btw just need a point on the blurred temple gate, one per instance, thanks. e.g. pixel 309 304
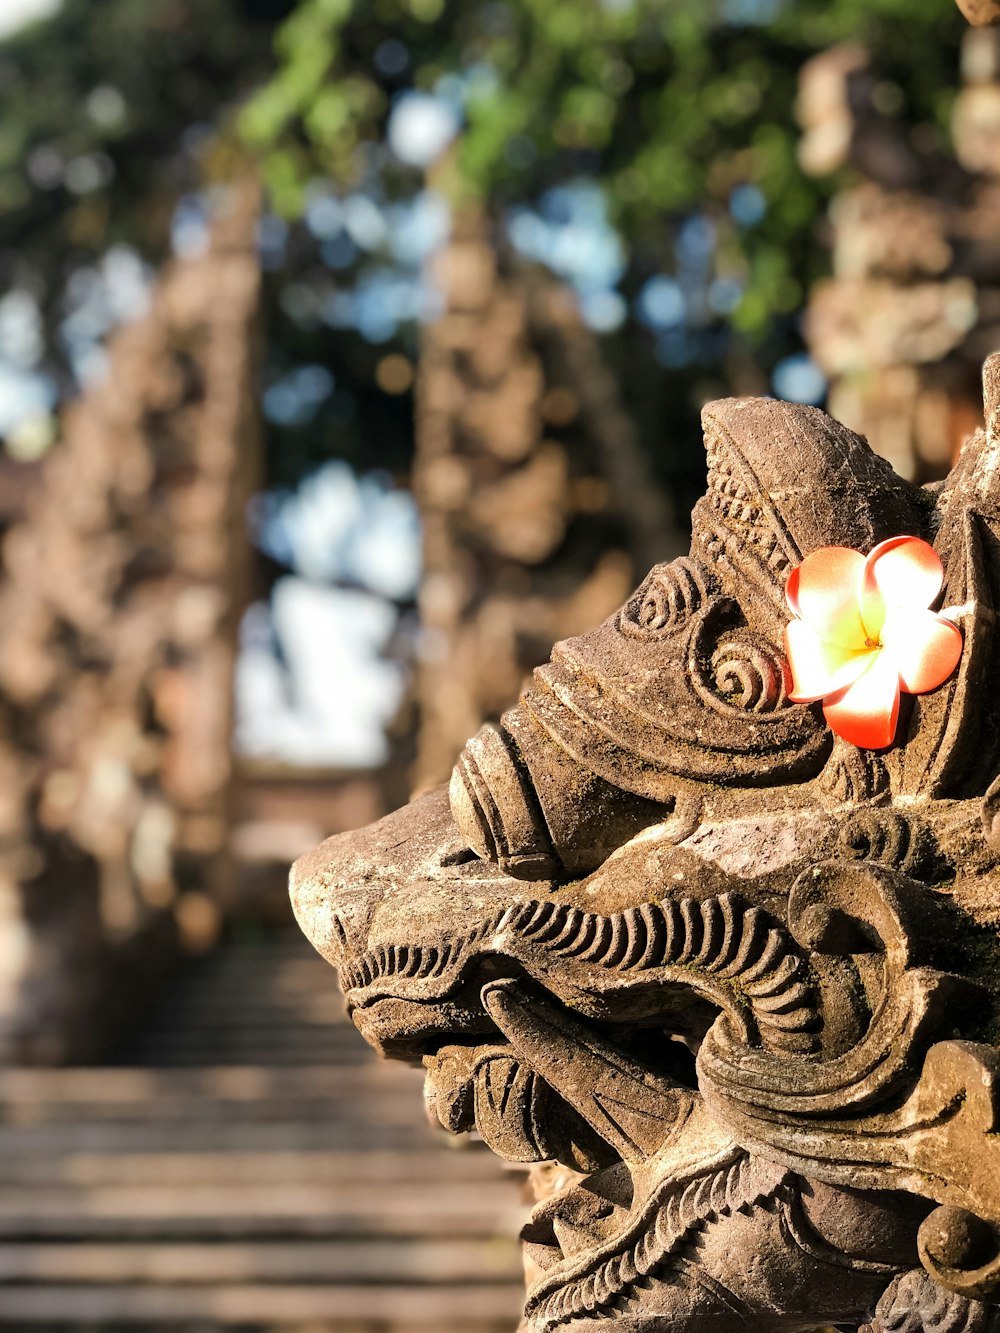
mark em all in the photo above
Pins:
pixel 223 1173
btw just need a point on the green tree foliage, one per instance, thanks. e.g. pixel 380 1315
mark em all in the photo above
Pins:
pixel 677 110
pixel 670 104
pixel 105 112
pixel 112 114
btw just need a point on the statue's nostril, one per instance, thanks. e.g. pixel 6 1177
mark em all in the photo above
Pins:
pixel 457 854
pixel 538 1230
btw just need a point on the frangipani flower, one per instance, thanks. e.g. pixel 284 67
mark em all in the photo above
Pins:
pixel 863 633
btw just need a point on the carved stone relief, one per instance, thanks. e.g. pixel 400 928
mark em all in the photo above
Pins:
pixel 730 978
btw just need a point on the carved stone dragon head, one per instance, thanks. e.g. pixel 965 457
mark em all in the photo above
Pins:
pixel 733 979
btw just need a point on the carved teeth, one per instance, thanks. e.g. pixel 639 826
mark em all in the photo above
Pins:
pixel 585 936
pixel 648 1254
pixel 656 936
pixel 716 937
pixel 791 998
pixel 559 928
pixel 775 981
pixel 619 943
pixel 634 925
pixel 793 1022
pixel 588 1294
pixel 770 957
pixel 428 962
pixel 540 917
pixel 603 935
pixel 691 918
pixel 751 939
pixel 713 932
pixel 412 966
pixel 627 1271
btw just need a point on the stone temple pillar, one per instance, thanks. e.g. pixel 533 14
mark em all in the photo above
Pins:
pixel 912 308
pixel 121 591
pixel 538 512
pixel 981 13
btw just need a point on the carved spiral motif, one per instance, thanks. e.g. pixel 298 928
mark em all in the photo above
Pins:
pixel 746 674
pixel 891 839
pixel 876 835
pixel 670 595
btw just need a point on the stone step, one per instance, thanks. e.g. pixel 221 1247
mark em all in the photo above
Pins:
pixel 381 1105
pixel 465 1162
pixel 436 1207
pixel 292 1130
pixel 257 1009
pixel 365 1094
pixel 260 1002
pixel 218 1048
pixel 245 1084
pixel 306 1325
pixel 177 1263
pixel 249 1165
pixel 462 1308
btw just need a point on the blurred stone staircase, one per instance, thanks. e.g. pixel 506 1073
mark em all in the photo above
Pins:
pixel 248 1165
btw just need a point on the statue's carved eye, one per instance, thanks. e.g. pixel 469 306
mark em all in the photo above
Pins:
pixel 749 674
pixel 733 669
pixel 668 597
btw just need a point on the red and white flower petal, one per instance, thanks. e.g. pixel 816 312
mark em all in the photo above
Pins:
pixel 866 713
pixel 825 591
pixel 903 571
pixel 924 648
pixel 820 667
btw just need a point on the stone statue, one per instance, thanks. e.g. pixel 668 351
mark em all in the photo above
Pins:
pixel 732 978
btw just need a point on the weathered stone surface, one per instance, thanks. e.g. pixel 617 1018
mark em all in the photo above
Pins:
pixel 735 981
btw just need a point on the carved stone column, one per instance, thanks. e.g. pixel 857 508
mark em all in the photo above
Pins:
pixel 537 510
pixel 913 306
pixel 121 593
pixel 713 952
